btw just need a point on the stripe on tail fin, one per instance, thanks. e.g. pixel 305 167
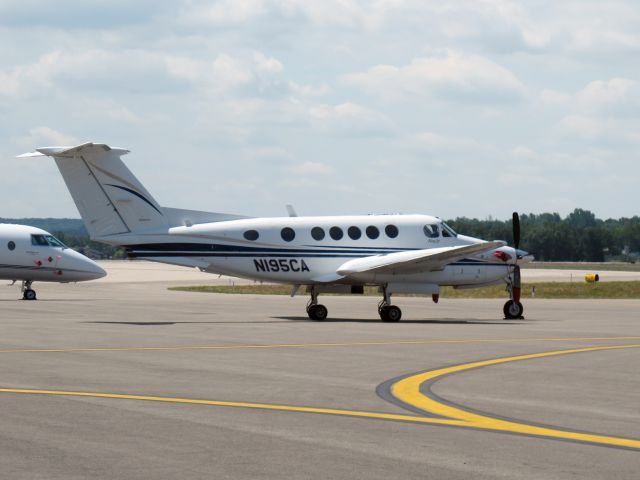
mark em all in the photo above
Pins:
pixel 109 197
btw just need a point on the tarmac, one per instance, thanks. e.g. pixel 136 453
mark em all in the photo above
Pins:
pixel 121 378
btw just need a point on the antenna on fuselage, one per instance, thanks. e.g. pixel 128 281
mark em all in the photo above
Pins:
pixel 291 211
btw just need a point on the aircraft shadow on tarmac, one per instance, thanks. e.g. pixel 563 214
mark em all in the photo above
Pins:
pixel 288 319
pixel 151 324
pixel 439 321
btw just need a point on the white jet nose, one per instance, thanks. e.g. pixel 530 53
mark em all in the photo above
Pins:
pixel 75 267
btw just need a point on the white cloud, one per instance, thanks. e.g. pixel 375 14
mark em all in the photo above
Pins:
pixel 47 136
pixel 452 75
pixel 614 96
pixel 396 93
pixel 311 168
pixel 350 119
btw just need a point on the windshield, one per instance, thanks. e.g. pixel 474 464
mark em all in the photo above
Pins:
pixel 46 241
pixel 54 242
pixel 447 231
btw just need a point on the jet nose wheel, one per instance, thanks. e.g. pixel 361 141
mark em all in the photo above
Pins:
pixel 317 312
pixel 513 310
pixel 390 313
pixel 29 294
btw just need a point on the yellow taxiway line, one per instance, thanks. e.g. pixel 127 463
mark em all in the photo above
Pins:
pixel 258 406
pixel 408 390
pixel 308 345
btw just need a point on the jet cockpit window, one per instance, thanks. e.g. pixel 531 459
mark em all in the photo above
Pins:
pixel 54 242
pixel 431 231
pixel 39 240
pixel 46 241
pixel 447 231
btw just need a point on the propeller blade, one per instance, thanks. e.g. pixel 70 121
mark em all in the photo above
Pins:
pixel 516 230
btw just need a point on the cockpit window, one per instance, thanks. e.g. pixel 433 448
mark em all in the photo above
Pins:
pixel 447 231
pixel 54 242
pixel 46 241
pixel 431 231
pixel 39 240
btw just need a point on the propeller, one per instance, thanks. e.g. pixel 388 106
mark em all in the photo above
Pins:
pixel 516 230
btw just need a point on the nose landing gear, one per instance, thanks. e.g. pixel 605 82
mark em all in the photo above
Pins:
pixel 513 309
pixel 27 292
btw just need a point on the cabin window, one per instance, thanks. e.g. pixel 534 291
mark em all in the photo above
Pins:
pixel 391 231
pixel 39 240
pixel 372 232
pixel 431 231
pixel 251 235
pixel 336 233
pixel 354 233
pixel 287 234
pixel 317 233
pixel 11 245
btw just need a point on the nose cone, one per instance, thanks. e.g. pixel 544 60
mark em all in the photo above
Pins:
pixel 78 268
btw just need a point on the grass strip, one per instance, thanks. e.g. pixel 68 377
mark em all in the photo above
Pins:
pixel 594 267
pixel 578 290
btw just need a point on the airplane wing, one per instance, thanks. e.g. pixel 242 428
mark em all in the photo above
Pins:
pixel 414 261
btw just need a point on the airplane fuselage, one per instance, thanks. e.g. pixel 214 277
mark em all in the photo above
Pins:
pixel 31 254
pixel 309 250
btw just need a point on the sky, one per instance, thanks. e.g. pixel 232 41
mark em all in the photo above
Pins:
pixel 469 108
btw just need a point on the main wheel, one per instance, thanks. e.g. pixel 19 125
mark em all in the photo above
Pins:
pixel 317 312
pixel 390 313
pixel 512 310
pixel 29 294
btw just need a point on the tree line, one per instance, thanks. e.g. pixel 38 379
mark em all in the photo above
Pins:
pixel 578 237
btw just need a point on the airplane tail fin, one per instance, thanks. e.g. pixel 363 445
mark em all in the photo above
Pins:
pixel 109 197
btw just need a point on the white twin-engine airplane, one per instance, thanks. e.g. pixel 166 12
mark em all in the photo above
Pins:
pixel 30 254
pixel 399 253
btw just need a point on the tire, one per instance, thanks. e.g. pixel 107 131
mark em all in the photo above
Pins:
pixel 317 312
pixel 390 313
pixel 513 310
pixel 29 295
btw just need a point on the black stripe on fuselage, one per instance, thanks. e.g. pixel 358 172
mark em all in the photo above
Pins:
pixel 221 248
pixel 173 250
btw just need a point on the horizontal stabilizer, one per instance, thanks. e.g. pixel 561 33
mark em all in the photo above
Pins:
pixel 89 148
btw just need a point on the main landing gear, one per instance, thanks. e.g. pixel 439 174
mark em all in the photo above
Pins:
pixel 314 309
pixel 388 312
pixel 27 292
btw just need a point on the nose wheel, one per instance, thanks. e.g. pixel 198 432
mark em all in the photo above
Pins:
pixel 513 310
pixel 27 292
